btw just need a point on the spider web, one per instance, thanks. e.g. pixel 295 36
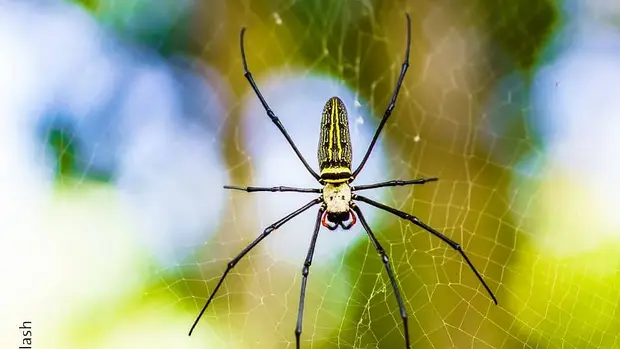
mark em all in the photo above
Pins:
pixel 478 109
pixel 456 119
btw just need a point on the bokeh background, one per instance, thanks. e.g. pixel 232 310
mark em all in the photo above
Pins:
pixel 120 120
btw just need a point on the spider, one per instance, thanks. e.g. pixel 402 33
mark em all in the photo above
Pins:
pixel 337 207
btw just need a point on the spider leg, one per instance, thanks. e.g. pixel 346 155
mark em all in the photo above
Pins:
pixel 270 112
pixel 393 183
pixel 253 244
pixel 392 104
pixel 273 189
pixel 305 271
pixel 415 220
pixel 388 269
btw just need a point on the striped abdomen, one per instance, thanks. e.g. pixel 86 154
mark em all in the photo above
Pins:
pixel 335 153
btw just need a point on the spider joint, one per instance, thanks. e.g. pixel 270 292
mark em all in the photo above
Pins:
pixel 272 116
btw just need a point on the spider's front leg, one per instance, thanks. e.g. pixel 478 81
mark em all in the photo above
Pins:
pixel 386 263
pixel 415 220
pixel 305 271
pixel 249 248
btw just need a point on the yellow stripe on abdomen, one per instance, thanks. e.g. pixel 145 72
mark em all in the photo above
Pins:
pixel 335 106
pixel 330 148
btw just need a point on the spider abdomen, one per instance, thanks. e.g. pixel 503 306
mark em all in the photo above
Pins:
pixel 335 150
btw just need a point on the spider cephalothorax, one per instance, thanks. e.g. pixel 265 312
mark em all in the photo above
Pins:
pixel 337 199
pixel 336 202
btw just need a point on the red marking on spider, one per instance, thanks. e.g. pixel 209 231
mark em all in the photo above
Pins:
pixel 351 220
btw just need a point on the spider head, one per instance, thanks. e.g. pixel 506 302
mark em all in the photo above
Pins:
pixel 337 198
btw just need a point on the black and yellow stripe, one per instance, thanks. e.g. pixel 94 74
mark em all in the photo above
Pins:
pixel 335 151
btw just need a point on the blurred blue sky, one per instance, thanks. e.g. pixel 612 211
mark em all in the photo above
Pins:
pixel 122 114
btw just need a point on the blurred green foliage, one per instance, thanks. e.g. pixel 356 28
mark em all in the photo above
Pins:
pixel 63 147
pixel 520 29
